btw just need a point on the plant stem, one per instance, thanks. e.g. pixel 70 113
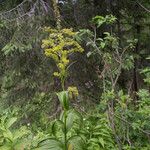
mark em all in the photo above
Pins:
pixel 65 130
pixel 63 84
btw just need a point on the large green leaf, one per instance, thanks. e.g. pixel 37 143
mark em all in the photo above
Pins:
pixel 64 99
pixel 58 124
pixel 8 135
pixel 18 134
pixel 50 144
pixel 10 122
pixel 72 117
pixel 77 143
pixel 69 121
pixel 102 142
pixel 5 147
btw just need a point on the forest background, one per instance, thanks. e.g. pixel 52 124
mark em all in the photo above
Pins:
pixel 87 61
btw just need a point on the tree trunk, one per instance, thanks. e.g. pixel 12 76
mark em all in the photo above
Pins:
pixel 136 67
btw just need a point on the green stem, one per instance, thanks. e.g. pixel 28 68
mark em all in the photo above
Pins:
pixel 63 83
pixel 65 130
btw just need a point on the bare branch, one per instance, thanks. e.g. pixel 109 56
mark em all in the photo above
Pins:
pixel 146 9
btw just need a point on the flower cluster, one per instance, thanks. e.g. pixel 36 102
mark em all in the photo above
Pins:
pixel 59 45
pixel 73 91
